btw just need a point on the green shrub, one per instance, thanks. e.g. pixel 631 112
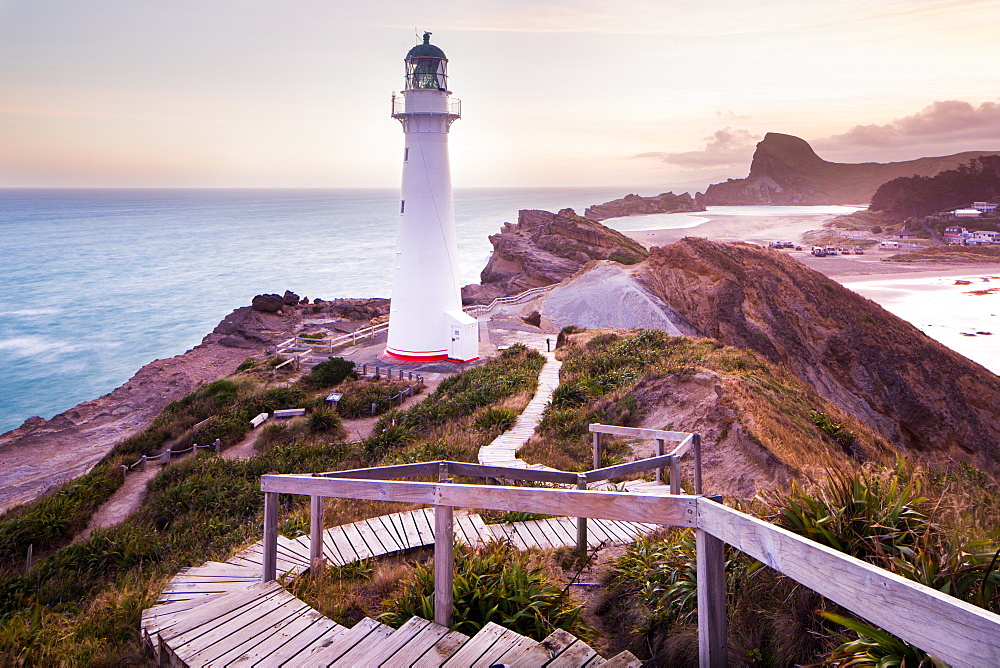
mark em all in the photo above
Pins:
pixel 494 583
pixel 491 418
pixel 247 364
pixel 360 395
pixel 569 394
pixel 325 421
pixel 330 373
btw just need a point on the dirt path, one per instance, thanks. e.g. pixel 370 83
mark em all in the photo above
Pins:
pixel 129 496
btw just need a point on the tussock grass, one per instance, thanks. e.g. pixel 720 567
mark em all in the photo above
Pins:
pixel 600 379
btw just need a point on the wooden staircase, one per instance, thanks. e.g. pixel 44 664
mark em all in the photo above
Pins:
pixel 220 614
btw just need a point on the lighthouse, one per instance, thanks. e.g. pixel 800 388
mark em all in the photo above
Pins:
pixel 426 321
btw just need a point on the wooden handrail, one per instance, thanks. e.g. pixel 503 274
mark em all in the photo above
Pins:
pixel 946 627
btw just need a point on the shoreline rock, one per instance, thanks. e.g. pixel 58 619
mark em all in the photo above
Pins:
pixel 636 205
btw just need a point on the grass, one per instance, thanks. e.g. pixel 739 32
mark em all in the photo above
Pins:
pixel 607 377
pixel 81 604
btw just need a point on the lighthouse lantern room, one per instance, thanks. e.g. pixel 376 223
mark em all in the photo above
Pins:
pixel 426 321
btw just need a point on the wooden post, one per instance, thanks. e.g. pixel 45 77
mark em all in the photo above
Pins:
pixel 696 442
pixel 675 475
pixel 142 463
pixel 444 557
pixel 712 623
pixel 124 469
pixel 597 450
pixel 166 456
pixel 581 522
pixel 659 453
pixel 269 571
pixel 217 445
pixel 315 534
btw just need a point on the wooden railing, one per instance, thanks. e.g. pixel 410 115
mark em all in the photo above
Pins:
pixel 685 443
pixel 480 309
pixel 950 629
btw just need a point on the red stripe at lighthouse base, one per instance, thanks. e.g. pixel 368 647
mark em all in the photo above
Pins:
pixel 414 357
pixel 411 357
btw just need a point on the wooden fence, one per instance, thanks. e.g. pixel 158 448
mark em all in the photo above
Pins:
pixel 948 628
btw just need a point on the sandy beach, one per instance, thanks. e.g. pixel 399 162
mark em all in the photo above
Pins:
pixel 931 296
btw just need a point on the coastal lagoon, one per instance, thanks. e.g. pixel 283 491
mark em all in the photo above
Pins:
pixel 959 308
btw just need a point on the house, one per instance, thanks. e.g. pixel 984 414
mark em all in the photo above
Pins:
pixel 907 234
pixel 983 237
pixel 984 207
pixel 956 235
pixel 966 213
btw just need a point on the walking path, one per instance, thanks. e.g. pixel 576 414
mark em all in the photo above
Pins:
pixel 220 614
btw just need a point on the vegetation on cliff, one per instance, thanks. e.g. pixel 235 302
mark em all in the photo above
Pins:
pixel 915 196
pixel 81 604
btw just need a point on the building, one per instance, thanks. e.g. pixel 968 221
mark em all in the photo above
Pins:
pixel 984 207
pixel 956 235
pixel 426 321
pixel 984 237
pixel 966 213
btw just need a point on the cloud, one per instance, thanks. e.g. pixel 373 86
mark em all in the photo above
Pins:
pixel 942 121
pixel 724 147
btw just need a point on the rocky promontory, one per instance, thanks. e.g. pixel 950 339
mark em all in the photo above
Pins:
pixel 543 248
pixel 43 454
pixel 636 205
pixel 786 170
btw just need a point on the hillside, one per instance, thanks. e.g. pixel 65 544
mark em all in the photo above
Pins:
pixel 921 396
pixel 786 170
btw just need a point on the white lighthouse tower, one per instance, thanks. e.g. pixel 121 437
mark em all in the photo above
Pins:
pixel 426 321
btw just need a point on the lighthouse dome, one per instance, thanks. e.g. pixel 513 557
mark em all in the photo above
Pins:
pixel 426 50
pixel 426 66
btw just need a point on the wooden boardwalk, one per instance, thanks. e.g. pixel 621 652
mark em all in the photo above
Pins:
pixel 503 450
pixel 220 614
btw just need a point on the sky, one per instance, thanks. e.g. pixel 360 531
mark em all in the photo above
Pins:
pixel 644 94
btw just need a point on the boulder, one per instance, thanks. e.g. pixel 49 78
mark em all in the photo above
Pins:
pixel 269 303
pixel 290 298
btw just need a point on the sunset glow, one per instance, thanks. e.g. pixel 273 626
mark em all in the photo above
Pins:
pixel 637 93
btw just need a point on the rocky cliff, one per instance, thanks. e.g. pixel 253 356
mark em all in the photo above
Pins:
pixel 636 205
pixel 42 454
pixel 924 398
pixel 544 248
pixel 786 170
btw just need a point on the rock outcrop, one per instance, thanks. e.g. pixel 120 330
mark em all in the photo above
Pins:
pixel 544 248
pixel 786 170
pixel 922 397
pixel 636 205
pixel 43 454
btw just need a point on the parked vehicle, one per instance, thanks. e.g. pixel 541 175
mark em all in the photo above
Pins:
pixel 830 250
pixel 859 250
pixel 819 251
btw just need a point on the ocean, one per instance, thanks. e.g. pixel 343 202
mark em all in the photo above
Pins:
pixel 100 282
